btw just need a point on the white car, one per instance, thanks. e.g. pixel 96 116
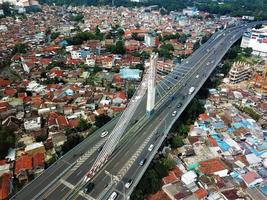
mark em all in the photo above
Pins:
pixel 197 76
pixel 113 196
pixel 174 113
pixel 150 148
pixel 129 183
pixel 104 134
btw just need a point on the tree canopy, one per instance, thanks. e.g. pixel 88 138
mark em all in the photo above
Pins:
pixel 7 140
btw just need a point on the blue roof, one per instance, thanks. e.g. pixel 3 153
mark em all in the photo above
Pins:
pixel 63 43
pixel 84 53
pixel 126 73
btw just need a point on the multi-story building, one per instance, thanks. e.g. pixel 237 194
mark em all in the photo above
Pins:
pixel 239 72
pixel 257 40
pixel 150 39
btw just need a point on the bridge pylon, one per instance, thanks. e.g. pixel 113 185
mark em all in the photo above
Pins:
pixel 151 89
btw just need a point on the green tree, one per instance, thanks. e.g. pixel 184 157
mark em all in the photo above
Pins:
pixel 120 49
pixel 54 35
pixel 168 162
pixel 140 66
pixel 20 48
pixel 111 48
pixel 6 8
pixel 196 45
pixel 182 39
pixel 177 141
pixel 258 26
pixel 72 141
pixel 7 140
pixel 247 51
pixel 120 32
pixel 101 120
pixel 83 125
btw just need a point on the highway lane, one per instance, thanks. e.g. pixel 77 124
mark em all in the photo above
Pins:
pixel 195 82
pixel 72 177
pixel 134 171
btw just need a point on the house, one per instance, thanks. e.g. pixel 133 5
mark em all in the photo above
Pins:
pixel 120 97
pixel 253 160
pixel 4 186
pixel 251 178
pixel 62 122
pixel 34 148
pixel 214 166
pixel 32 124
pixel 38 163
pixel 201 193
pixel 189 177
pixel 12 122
pixel 23 166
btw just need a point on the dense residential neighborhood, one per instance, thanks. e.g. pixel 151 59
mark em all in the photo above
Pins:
pixel 67 71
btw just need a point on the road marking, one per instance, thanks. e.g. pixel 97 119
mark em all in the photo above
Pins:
pixel 69 185
pixel 133 158
pixel 79 173
pixel 63 189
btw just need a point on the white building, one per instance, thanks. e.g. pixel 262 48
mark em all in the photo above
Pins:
pixel 150 40
pixel 32 124
pixel 75 54
pixel 189 177
pixel 239 72
pixel 190 11
pixel 257 40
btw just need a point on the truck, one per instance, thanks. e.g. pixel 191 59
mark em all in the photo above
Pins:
pixel 191 90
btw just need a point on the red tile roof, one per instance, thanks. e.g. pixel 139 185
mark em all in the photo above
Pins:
pixel 22 95
pixel 117 78
pixel 170 178
pixel 201 193
pixel 203 117
pixel 74 123
pixel 23 163
pixel 5 83
pixel 38 160
pixel 10 91
pixel 211 166
pixel 231 194
pixel 121 95
pixel 4 186
pixel 62 121
pixel 212 142
pixel 160 195
pixel 250 177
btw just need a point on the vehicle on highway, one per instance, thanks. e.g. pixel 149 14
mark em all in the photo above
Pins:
pixel 150 148
pixel 174 113
pixel 142 161
pixel 88 188
pixel 104 134
pixel 100 148
pixel 191 90
pixel 113 196
pixel 129 183
pixel 179 105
